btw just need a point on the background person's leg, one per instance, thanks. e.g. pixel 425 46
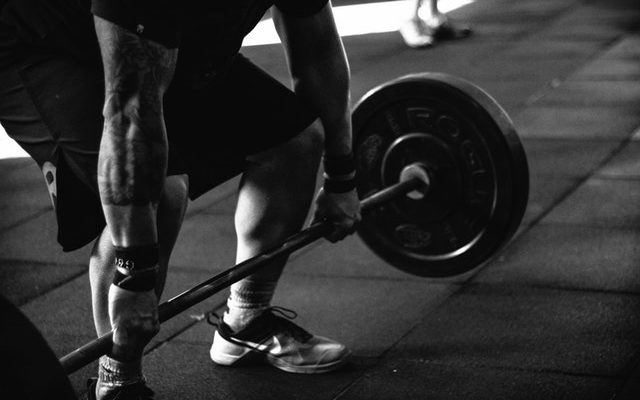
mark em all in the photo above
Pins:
pixel 440 25
pixel 414 32
pixel 432 7
pixel 428 24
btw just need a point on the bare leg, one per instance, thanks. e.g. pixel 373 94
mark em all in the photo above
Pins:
pixel 415 8
pixel 275 195
pixel 414 31
pixel 431 14
pixel 433 7
pixel 274 199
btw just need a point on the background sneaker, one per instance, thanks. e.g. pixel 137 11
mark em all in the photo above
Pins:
pixel 417 34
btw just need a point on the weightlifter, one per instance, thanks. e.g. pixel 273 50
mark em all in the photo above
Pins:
pixel 129 107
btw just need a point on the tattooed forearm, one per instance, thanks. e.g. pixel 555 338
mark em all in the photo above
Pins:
pixel 131 170
pixel 133 151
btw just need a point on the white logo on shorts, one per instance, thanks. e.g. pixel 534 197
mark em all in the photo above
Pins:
pixel 49 172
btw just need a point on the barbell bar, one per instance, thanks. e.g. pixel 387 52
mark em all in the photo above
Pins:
pixel 174 306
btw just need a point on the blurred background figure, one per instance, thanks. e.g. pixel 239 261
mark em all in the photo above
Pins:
pixel 428 25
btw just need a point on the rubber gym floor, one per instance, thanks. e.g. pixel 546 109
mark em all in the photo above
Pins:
pixel 554 315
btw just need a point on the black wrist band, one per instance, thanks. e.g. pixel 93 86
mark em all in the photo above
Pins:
pixel 339 186
pixel 339 165
pixel 136 267
pixel 136 258
pixel 142 281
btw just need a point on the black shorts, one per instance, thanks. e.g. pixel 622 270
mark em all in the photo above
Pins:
pixel 51 105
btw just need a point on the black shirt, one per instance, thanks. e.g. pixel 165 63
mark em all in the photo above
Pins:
pixel 208 32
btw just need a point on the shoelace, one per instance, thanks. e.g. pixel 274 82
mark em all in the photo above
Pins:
pixel 284 324
pixel 212 314
pixel 280 321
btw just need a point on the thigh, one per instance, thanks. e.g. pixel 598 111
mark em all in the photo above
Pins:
pixel 216 129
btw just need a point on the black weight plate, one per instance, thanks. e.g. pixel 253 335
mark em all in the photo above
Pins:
pixel 478 169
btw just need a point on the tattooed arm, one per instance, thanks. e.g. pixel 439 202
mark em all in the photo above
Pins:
pixel 131 171
pixel 133 151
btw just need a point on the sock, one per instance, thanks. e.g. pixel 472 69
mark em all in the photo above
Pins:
pixel 113 374
pixel 248 299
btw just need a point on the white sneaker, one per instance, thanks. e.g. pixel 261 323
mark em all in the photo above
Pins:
pixel 279 342
pixel 417 34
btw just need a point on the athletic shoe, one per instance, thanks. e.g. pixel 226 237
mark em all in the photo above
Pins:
pixel 278 341
pixel 417 34
pixel 136 391
pixel 448 30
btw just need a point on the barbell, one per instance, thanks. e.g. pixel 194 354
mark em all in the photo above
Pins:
pixel 444 180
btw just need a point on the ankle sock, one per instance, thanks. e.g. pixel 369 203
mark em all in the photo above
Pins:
pixel 114 374
pixel 248 299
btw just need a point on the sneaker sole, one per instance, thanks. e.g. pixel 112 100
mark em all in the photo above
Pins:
pixel 310 369
pixel 225 353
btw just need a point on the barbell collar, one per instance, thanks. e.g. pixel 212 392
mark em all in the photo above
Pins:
pixel 422 174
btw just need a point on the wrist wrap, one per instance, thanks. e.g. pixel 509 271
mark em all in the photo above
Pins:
pixel 136 267
pixel 339 173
